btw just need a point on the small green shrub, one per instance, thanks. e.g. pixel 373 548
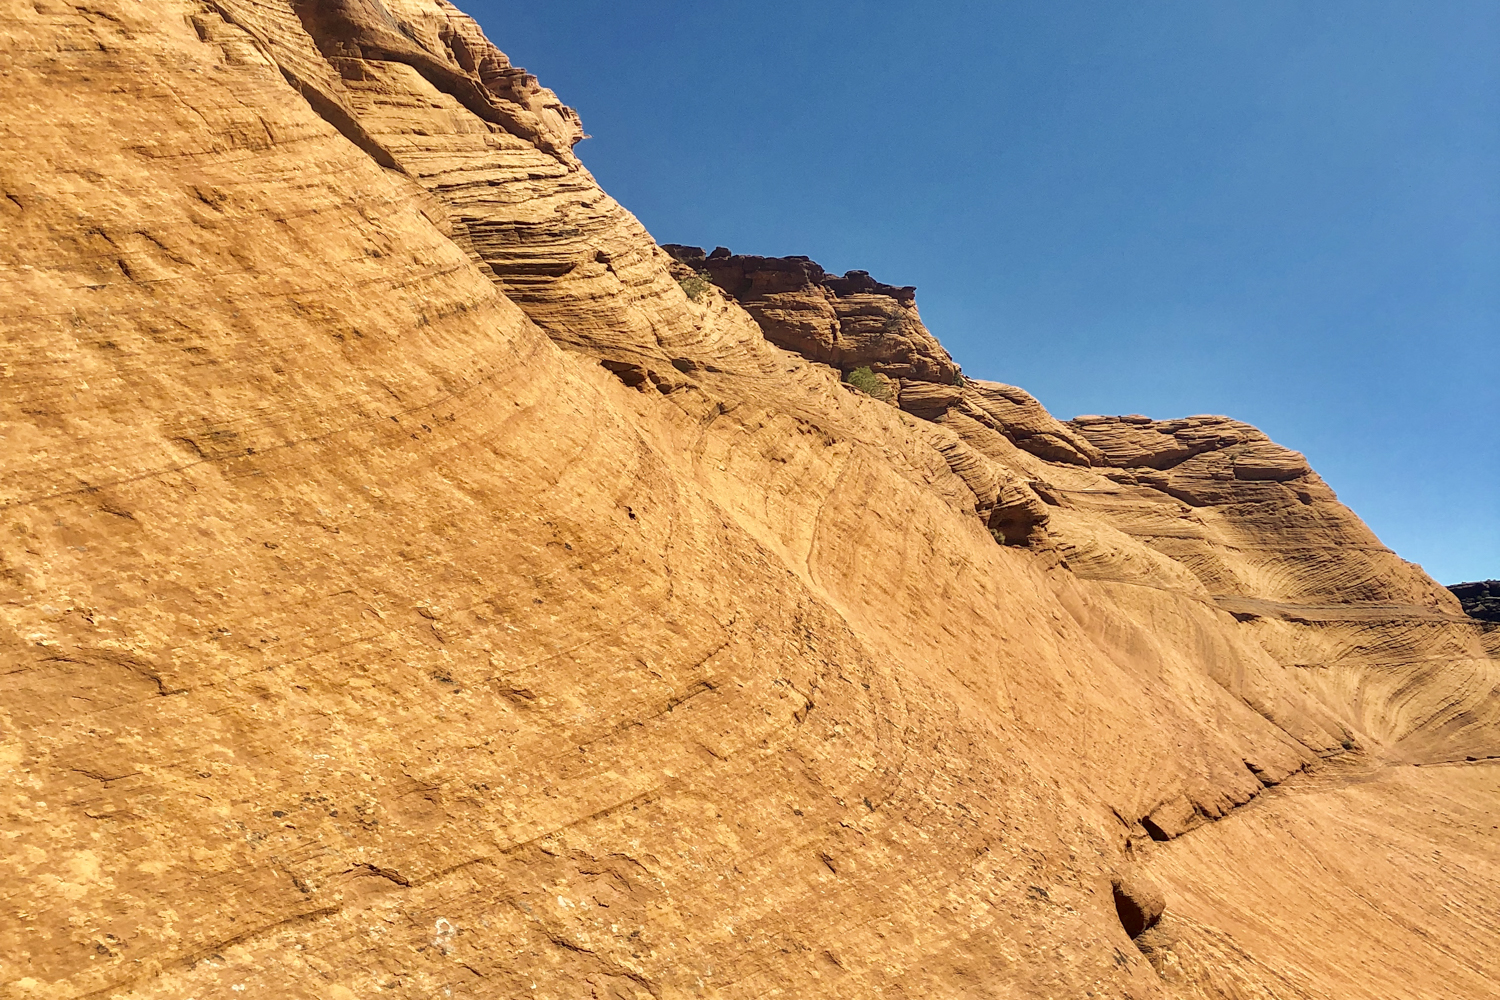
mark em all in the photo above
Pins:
pixel 869 383
pixel 696 287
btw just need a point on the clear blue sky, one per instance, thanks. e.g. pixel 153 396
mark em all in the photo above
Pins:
pixel 1288 212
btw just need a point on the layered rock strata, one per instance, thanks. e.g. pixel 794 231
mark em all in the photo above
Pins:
pixel 847 322
pixel 1480 600
pixel 408 588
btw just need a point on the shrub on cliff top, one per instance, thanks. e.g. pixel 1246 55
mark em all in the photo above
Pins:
pixel 869 383
pixel 696 287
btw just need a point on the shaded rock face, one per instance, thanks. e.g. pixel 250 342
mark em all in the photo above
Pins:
pixel 1480 600
pixel 407 587
pixel 1139 901
pixel 849 322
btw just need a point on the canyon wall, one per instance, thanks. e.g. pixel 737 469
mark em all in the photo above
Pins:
pixel 416 582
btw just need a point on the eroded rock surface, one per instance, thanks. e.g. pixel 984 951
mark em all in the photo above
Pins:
pixel 408 588
pixel 1139 901
pixel 846 322
pixel 1480 600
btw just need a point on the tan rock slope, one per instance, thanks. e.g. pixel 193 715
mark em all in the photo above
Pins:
pixel 408 588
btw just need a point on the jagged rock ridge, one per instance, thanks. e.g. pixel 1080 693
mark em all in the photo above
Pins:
pixel 407 588
pixel 1480 600
pixel 847 322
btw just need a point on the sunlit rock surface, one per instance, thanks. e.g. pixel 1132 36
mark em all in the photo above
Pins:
pixel 407 586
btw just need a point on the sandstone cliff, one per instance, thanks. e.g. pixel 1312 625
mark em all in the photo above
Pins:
pixel 415 582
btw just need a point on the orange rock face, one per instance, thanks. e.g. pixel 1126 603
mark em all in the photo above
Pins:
pixel 413 583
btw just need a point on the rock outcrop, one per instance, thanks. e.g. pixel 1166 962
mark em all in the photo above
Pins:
pixel 413 583
pixel 1480 600
pixel 847 323
pixel 1138 901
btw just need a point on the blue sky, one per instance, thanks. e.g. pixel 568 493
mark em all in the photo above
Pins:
pixel 1284 212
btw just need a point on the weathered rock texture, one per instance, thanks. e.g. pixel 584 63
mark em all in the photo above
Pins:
pixel 847 322
pixel 408 589
pixel 1480 600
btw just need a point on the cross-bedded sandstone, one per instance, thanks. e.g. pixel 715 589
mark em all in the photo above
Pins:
pixel 407 587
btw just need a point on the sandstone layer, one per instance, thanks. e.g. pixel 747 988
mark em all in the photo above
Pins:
pixel 416 582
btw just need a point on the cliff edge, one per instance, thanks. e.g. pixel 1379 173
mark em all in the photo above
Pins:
pixel 1480 600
